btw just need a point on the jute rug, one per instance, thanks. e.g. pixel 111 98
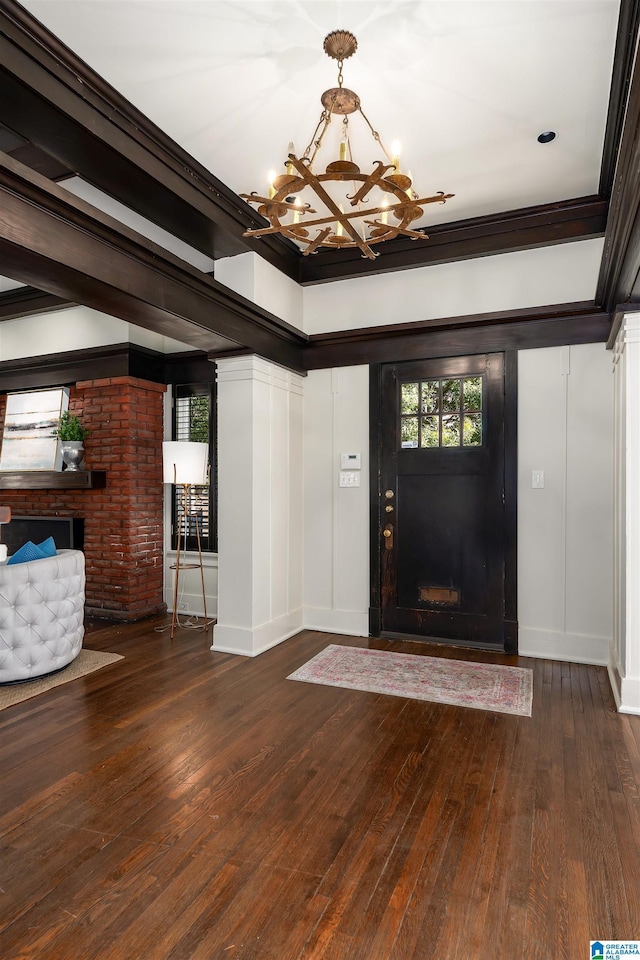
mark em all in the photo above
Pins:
pixel 484 686
pixel 86 662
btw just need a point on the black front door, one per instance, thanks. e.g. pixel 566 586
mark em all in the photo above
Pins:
pixel 440 516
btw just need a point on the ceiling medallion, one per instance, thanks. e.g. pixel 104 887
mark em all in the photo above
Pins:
pixel 312 209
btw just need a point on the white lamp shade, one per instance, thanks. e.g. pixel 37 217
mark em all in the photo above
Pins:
pixel 185 462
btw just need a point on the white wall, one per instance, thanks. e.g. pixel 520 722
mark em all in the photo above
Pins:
pixel 146 228
pixel 336 520
pixel 624 660
pixel 565 530
pixel 259 505
pixel 75 328
pixel 254 278
pixel 565 273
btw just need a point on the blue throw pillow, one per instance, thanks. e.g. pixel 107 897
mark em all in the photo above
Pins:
pixel 48 547
pixel 28 551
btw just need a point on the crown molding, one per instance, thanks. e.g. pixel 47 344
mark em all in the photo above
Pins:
pixel 622 75
pixel 507 232
pixel 619 278
pixel 549 326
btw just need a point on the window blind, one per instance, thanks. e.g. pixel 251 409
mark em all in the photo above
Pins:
pixel 194 419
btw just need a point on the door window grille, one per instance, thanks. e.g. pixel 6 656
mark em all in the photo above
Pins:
pixel 441 413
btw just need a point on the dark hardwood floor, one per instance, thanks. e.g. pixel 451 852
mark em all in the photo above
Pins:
pixel 188 805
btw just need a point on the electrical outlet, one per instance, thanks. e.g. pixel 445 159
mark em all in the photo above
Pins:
pixel 182 605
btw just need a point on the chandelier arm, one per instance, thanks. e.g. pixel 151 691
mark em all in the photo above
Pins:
pixel 439 197
pixel 394 208
pixel 394 231
pixel 313 245
pixel 372 180
pixel 330 203
pixel 281 207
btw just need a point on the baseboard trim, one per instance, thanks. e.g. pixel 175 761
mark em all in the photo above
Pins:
pixel 626 690
pixel 251 642
pixel 351 623
pixel 569 647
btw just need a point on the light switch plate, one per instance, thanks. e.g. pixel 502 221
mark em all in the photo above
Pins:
pixel 537 479
pixel 349 478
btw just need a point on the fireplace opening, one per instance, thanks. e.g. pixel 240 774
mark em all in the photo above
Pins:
pixel 67 532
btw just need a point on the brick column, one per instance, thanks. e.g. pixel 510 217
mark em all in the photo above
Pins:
pixel 124 522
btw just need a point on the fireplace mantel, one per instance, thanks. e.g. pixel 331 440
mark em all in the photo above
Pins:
pixel 53 479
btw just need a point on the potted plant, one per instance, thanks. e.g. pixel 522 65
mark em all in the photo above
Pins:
pixel 71 435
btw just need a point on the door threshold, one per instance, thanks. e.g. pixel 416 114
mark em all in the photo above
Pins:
pixel 441 641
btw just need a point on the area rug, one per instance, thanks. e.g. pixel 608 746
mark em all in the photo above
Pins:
pixel 86 662
pixel 483 686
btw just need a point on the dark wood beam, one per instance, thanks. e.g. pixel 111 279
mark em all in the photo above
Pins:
pixel 540 226
pixel 617 317
pixel 623 64
pixel 28 302
pixel 41 162
pixel 619 278
pixel 65 246
pixel 98 363
pixel 454 336
pixel 52 98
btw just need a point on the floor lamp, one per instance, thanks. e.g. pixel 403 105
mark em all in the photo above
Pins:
pixel 186 464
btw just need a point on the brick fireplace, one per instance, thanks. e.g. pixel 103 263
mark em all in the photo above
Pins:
pixel 123 523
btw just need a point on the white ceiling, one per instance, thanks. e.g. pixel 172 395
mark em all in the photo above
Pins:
pixel 466 85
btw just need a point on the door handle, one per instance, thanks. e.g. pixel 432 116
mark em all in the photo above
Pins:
pixel 387 533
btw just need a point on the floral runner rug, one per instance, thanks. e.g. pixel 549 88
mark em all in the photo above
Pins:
pixel 483 686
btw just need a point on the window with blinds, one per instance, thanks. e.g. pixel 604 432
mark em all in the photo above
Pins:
pixel 194 419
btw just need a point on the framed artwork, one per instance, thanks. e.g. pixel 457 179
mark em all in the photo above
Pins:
pixel 29 440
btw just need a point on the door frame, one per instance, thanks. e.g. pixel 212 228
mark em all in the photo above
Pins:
pixel 510 496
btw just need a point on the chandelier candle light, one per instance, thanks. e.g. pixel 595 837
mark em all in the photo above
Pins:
pixel 287 208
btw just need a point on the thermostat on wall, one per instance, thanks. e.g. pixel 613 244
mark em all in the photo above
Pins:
pixel 350 461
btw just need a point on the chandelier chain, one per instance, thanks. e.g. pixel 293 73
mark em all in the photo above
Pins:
pixel 325 118
pixel 375 134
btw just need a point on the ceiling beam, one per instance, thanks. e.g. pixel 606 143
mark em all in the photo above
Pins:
pixel 29 302
pixel 623 65
pixel 454 336
pixel 541 226
pixel 51 98
pixel 71 250
pixel 619 278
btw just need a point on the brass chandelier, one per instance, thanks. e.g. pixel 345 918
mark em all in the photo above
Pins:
pixel 394 203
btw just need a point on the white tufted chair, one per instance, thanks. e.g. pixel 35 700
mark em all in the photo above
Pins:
pixel 41 615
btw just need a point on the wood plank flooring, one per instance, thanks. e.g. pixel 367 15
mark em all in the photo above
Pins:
pixel 188 805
